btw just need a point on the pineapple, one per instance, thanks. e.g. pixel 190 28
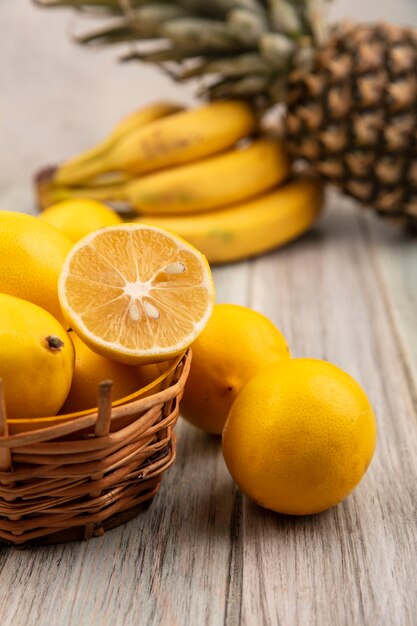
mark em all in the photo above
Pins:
pixel 350 91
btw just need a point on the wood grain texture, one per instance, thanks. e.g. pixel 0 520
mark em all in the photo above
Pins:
pixel 356 563
pixel 346 292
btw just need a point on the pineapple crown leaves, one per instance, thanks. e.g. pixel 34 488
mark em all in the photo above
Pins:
pixel 237 48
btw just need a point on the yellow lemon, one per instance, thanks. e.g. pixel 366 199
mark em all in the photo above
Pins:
pixel 150 372
pixel 299 437
pixel 32 254
pixel 36 359
pixel 78 217
pixel 91 369
pixel 136 294
pixel 236 343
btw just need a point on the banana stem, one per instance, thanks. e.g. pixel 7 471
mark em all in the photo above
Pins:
pixel 53 194
pixel 109 178
pixel 78 170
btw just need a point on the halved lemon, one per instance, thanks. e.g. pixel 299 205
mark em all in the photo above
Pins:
pixel 135 293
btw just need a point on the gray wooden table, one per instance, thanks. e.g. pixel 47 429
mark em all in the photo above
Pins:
pixel 346 292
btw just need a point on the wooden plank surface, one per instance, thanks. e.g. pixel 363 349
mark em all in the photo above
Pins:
pixel 346 292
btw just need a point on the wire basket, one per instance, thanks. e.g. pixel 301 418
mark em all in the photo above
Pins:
pixel 68 478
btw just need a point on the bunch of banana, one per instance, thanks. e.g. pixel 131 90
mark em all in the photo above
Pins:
pixel 203 173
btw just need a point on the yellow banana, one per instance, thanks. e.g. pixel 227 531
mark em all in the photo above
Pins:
pixel 243 231
pixel 176 139
pixel 139 118
pixel 211 183
pixel 131 123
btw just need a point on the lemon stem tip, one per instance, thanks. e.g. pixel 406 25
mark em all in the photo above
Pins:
pixel 54 343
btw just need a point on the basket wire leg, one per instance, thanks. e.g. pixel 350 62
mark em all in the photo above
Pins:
pixel 5 453
pixel 102 429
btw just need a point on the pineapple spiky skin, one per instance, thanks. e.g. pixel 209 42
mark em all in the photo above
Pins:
pixel 353 117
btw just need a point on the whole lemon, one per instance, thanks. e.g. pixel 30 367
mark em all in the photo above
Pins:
pixel 31 257
pixel 36 359
pixel 91 369
pixel 299 437
pixel 236 343
pixel 78 217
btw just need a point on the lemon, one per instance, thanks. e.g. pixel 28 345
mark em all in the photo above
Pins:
pixel 300 436
pixel 32 254
pixel 236 343
pixel 136 294
pixel 36 359
pixel 78 217
pixel 91 369
pixel 151 371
